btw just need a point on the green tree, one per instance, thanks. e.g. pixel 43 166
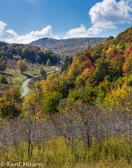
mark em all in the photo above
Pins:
pixel 2 66
pixel 22 65
pixel 42 72
pixel 51 102
pixel 102 70
pixel 3 79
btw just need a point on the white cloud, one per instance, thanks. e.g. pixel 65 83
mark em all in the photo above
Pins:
pixel 12 37
pixel 34 35
pixel 108 13
pixel 105 15
pixel 6 35
pixel 77 32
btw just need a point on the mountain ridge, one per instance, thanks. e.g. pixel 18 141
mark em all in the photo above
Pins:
pixel 67 46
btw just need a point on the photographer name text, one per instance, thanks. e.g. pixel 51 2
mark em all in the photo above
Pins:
pixel 20 164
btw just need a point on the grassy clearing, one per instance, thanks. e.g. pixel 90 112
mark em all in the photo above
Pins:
pixel 16 79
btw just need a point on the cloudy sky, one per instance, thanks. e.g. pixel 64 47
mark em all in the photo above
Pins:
pixel 23 21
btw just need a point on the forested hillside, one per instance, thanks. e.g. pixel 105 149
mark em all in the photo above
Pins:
pixel 111 58
pixel 30 53
pixel 80 118
pixel 67 46
pixel 95 72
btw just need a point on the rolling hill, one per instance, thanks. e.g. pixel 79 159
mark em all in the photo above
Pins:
pixel 67 46
pixel 30 53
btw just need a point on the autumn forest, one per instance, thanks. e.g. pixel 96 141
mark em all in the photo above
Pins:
pixel 78 114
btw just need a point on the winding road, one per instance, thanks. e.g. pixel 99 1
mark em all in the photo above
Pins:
pixel 25 85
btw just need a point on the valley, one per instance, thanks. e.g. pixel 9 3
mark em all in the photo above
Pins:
pixel 78 115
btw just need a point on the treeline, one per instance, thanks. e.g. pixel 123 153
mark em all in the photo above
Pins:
pixel 30 53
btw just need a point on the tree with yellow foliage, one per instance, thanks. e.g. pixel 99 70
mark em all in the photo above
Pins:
pixel 48 62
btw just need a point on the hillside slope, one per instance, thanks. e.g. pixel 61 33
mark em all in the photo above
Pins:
pixel 67 46
pixel 30 53
pixel 112 58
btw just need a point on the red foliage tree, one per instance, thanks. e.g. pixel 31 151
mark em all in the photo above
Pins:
pixel 87 63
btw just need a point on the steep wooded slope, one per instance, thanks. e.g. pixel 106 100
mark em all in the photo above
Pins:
pixel 112 58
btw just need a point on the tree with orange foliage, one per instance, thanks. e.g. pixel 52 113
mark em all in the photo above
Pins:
pixel 48 62
pixel 127 67
pixel 9 104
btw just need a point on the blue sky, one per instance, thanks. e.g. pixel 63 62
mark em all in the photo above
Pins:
pixel 23 21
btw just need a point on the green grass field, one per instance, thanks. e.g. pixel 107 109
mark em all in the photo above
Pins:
pixel 16 79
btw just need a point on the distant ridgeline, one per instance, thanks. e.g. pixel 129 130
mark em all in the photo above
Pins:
pixel 67 46
pixel 30 53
